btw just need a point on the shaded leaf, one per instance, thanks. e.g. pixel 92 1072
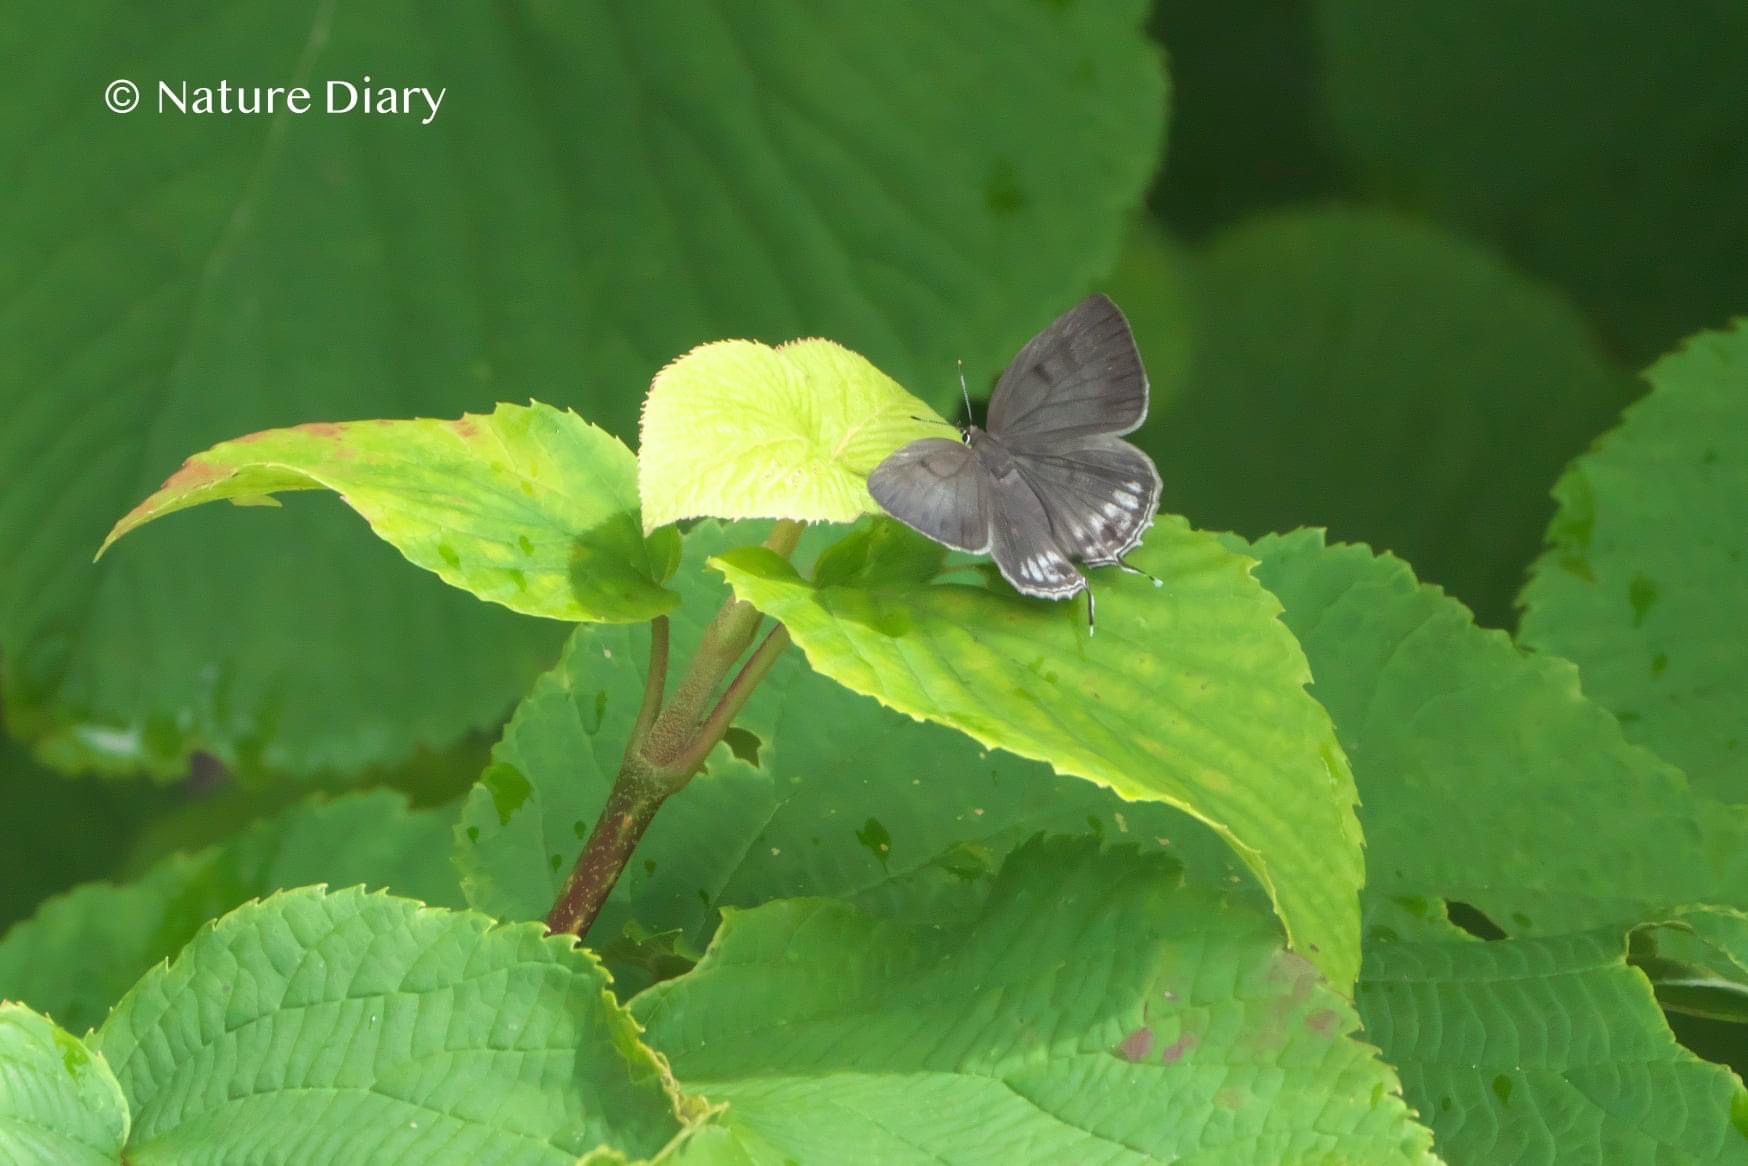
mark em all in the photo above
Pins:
pixel 1605 146
pixel 1642 583
pixel 603 188
pixel 1192 695
pixel 58 1100
pixel 358 1028
pixel 52 962
pixel 1385 380
pixel 1092 1006
pixel 1485 776
pixel 529 506
pixel 1545 1050
pixel 737 429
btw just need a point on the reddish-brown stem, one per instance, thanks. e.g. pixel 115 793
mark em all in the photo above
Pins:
pixel 630 807
pixel 667 744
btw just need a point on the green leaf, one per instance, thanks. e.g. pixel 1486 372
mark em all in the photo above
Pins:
pixel 1607 147
pixel 75 957
pixel 359 1028
pixel 1192 695
pixel 605 187
pixel 737 429
pixel 529 506
pixel 1642 583
pixel 1545 1050
pixel 1485 776
pixel 846 798
pixel 1336 379
pixel 64 831
pixel 1092 1004
pixel 58 1100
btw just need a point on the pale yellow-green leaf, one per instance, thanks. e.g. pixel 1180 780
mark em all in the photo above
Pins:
pixel 528 506
pixel 738 429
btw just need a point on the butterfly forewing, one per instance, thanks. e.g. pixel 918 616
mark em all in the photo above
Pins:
pixel 1099 495
pixel 1022 544
pixel 1079 377
pixel 936 487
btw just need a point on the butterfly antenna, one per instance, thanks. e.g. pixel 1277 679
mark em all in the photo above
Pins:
pixel 965 392
pixel 933 421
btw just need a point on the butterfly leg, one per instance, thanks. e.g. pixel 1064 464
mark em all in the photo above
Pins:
pixel 1134 570
pixel 1091 622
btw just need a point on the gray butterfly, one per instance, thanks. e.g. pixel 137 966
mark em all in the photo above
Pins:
pixel 1050 482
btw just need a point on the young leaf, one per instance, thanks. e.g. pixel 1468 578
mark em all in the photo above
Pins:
pixel 834 173
pixel 1484 774
pixel 1642 584
pixel 359 1028
pixel 1544 1051
pixel 529 506
pixel 1191 695
pixel 1096 1011
pixel 370 838
pixel 736 429
pixel 59 1102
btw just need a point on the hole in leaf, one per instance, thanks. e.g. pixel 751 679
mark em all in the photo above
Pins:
pixel 1471 919
pixel 743 744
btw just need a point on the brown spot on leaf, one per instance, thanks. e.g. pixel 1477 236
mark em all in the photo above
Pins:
pixel 1231 1097
pixel 466 426
pixel 1136 1045
pixel 320 428
pixel 192 475
pixel 1323 1021
pixel 1175 1051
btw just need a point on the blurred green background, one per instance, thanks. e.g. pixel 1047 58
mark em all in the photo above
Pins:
pixel 1391 266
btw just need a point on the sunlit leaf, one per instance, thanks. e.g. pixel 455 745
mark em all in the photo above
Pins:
pixel 1643 584
pixel 357 1028
pixel 1095 1011
pixel 1191 694
pixel 529 506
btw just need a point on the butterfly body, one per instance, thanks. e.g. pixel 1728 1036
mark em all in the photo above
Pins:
pixel 1050 482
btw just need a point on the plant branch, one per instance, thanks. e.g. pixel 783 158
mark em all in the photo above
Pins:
pixel 654 685
pixel 630 807
pixel 756 668
pixel 668 743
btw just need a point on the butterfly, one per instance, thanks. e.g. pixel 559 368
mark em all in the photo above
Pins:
pixel 1049 482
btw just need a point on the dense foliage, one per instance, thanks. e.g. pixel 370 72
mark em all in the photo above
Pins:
pixel 1317 852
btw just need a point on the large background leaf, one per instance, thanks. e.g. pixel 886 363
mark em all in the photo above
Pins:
pixel 604 188
pixel 1645 583
pixel 1093 1012
pixel 1391 382
pixel 1191 693
pixel 357 1028
pixel 1605 144
pixel 75 957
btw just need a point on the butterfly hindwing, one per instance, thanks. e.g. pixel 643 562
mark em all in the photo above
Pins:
pixel 937 487
pixel 1023 546
pixel 1080 376
pixel 1099 494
